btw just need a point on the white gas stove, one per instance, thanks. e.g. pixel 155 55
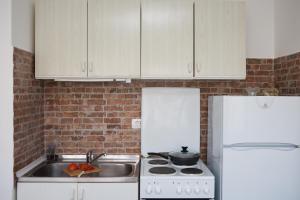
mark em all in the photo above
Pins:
pixel 159 178
pixel 170 120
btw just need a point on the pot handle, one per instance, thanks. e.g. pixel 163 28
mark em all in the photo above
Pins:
pixel 158 154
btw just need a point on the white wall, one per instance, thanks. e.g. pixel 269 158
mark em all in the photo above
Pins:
pixel 23 24
pixel 260 28
pixel 287 27
pixel 6 103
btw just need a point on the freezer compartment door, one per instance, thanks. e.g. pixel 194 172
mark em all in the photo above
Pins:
pixel 261 119
pixel 261 173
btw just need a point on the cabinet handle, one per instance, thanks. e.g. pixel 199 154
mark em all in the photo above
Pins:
pixel 198 68
pixel 190 68
pixel 82 195
pixel 83 66
pixel 91 67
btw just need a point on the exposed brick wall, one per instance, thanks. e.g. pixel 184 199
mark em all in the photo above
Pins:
pixel 287 74
pixel 28 111
pixel 84 116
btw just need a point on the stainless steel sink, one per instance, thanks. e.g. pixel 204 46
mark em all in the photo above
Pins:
pixel 114 168
pixel 50 170
pixel 107 170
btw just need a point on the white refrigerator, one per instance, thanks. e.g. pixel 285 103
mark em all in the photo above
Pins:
pixel 253 147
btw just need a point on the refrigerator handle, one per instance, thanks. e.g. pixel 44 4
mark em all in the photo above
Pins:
pixel 256 145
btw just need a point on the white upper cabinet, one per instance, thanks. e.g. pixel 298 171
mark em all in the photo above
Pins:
pixel 220 39
pixel 167 39
pixel 114 38
pixel 149 39
pixel 61 38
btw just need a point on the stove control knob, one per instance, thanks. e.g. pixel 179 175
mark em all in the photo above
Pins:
pixel 188 190
pixel 157 189
pixel 197 190
pixel 179 190
pixel 149 189
pixel 206 191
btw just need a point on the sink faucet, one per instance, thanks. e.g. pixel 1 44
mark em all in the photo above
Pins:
pixel 90 157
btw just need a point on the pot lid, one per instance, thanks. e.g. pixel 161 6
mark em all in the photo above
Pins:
pixel 184 153
pixel 170 119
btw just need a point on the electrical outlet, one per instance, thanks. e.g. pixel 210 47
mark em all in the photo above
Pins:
pixel 136 123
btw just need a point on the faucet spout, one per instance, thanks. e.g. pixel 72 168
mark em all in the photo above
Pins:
pixel 90 157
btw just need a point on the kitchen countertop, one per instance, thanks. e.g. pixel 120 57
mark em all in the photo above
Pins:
pixel 25 174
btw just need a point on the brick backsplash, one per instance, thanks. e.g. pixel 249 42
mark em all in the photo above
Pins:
pixel 28 111
pixel 79 116
pixel 84 116
pixel 287 74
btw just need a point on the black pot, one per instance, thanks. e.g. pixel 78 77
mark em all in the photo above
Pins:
pixel 184 157
pixel 180 158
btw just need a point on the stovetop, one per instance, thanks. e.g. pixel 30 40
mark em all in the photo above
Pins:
pixel 159 167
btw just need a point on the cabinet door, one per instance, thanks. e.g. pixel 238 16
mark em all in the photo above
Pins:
pixel 108 191
pixel 61 38
pixel 167 39
pixel 47 191
pixel 114 38
pixel 220 39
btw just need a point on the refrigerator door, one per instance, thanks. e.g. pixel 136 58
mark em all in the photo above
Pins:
pixel 261 173
pixel 261 119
